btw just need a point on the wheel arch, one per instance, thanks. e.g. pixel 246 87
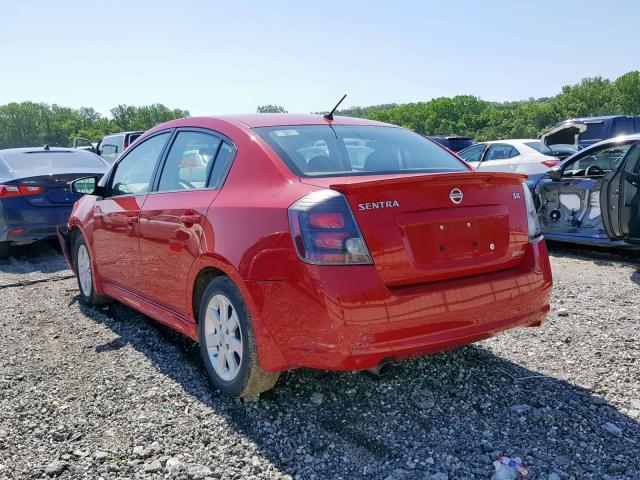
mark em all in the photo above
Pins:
pixel 204 270
pixel 75 230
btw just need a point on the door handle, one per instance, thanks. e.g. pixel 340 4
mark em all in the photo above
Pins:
pixel 130 220
pixel 189 220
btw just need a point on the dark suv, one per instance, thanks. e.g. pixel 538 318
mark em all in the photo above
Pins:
pixel 454 143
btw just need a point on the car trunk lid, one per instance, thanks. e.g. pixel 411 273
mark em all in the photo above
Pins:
pixel 50 190
pixel 423 228
pixel 565 134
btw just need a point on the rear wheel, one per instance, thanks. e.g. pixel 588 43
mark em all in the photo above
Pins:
pixel 4 250
pixel 84 274
pixel 227 342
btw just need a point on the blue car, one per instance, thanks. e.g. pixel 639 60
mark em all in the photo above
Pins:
pixel 34 191
pixel 593 197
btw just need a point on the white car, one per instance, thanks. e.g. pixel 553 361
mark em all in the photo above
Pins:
pixel 527 156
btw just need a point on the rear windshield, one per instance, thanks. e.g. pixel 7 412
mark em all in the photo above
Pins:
pixel 323 150
pixel 457 144
pixel 41 160
pixel 540 147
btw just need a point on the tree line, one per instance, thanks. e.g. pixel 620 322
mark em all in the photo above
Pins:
pixel 34 124
pixel 29 124
pixel 483 120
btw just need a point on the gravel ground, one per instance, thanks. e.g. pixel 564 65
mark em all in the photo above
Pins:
pixel 108 393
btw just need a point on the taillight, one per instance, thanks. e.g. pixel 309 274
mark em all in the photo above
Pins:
pixel 8 191
pixel 533 225
pixel 550 163
pixel 27 190
pixel 324 230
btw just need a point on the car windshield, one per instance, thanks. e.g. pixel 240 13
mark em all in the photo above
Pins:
pixel 324 150
pixel 75 159
pixel 540 147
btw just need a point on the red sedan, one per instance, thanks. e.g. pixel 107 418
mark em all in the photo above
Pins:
pixel 283 241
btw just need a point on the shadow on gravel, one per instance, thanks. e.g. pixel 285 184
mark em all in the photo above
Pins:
pixel 44 256
pixel 453 412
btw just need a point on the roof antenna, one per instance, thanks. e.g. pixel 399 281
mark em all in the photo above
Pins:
pixel 329 116
pixel 46 148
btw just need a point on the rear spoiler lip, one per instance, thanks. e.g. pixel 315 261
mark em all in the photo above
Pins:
pixel 434 178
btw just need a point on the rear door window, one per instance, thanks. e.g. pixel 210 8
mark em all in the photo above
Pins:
pixel 594 131
pixel 622 126
pixel 472 154
pixel 189 161
pixel 222 165
pixel 500 151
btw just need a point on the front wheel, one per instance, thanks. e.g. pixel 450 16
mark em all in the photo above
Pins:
pixel 84 274
pixel 227 342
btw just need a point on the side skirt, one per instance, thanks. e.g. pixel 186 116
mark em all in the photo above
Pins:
pixel 159 313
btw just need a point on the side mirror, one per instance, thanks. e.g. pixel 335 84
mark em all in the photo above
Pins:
pixel 85 185
pixel 554 174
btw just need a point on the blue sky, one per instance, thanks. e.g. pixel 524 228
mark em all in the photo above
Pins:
pixel 224 57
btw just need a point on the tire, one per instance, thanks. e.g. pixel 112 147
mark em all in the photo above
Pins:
pixel 84 274
pixel 4 250
pixel 228 347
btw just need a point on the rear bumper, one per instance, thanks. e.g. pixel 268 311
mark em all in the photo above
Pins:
pixel 345 318
pixel 22 223
pixel 64 237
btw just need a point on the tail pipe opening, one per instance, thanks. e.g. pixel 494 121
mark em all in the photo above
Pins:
pixel 381 370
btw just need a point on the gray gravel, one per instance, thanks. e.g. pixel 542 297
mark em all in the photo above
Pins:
pixel 89 393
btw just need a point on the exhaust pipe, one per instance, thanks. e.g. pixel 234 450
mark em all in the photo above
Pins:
pixel 381 370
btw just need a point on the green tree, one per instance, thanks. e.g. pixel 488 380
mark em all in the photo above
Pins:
pixel 271 109
pixel 627 93
pixel 128 117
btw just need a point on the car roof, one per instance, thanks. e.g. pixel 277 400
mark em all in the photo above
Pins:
pixel 123 133
pixel 514 140
pixel 595 119
pixel 255 120
pixel 11 151
pixel 14 152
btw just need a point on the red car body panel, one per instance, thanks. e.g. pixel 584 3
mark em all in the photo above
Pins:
pixel 425 291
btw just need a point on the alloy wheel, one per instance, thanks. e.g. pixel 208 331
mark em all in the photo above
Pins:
pixel 223 337
pixel 84 270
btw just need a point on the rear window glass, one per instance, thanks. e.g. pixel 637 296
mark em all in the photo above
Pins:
pixel 457 143
pixel 540 147
pixel 323 150
pixel 61 159
pixel 594 131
